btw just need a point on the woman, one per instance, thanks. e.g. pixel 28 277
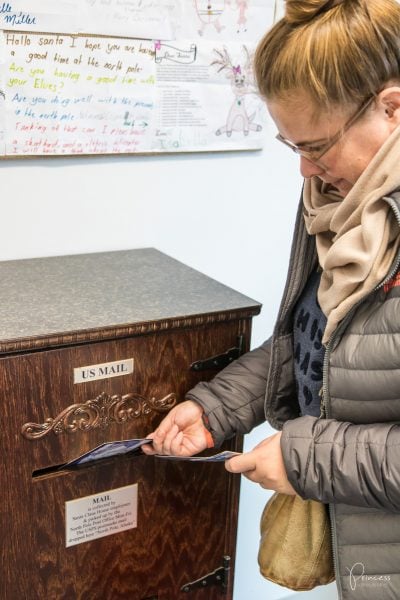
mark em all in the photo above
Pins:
pixel 330 376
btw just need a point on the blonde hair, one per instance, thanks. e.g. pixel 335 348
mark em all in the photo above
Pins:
pixel 338 52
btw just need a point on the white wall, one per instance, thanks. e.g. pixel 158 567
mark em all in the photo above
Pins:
pixel 228 215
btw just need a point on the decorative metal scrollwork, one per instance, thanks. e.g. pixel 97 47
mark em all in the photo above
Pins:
pixel 99 413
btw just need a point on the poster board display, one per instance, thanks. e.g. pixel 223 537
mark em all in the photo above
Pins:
pixel 143 76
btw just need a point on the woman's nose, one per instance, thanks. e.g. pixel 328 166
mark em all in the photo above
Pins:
pixel 308 168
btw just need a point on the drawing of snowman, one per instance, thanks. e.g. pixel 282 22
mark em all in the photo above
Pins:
pixel 209 13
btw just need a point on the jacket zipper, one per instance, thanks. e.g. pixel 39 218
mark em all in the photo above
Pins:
pixel 324 392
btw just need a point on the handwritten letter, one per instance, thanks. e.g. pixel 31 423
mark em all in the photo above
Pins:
pixel 78 95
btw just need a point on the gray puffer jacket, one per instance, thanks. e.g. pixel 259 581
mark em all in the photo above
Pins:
pixel 350 456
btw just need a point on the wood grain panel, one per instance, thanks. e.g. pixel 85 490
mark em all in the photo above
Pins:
pixel 187 512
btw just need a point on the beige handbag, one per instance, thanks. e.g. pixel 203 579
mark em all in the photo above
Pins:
pixel 295 547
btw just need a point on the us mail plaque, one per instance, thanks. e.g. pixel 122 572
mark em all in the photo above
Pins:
pixel 116 368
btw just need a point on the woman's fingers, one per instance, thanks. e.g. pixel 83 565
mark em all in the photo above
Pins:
pixel 168 439
pixel 176 444
pixel 242 463
pixel 263 465
pixel 181 432
pixel 148 448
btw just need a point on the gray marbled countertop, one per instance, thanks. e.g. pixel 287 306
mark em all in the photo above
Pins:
pixel 47 296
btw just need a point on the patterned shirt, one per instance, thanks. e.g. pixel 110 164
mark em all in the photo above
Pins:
pixel 308 327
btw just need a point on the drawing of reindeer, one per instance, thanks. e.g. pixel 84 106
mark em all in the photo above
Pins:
pixel 209 12
pixel 242 84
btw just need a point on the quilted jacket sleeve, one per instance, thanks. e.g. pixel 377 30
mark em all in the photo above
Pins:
pixel 333 462
pixel 233 400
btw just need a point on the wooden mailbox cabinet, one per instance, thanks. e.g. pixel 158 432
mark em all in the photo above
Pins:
pixel 97 348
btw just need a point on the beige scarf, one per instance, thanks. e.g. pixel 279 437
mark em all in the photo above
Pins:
pixel 357 236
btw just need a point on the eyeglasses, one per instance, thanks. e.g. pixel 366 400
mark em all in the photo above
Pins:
pixel 315 152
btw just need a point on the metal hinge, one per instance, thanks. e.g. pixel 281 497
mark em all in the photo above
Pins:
pixel 221 360
pixel 218 577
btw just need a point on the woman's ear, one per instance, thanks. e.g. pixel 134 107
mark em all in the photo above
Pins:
pixel 389 98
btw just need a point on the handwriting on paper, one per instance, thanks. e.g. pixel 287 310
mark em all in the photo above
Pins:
pixel 82 95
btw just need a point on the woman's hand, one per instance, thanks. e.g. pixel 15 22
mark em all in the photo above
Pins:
pixel 181 433
pixel 264 465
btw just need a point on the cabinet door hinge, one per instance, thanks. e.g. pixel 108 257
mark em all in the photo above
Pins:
pixel 218 577
pixel 221 360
